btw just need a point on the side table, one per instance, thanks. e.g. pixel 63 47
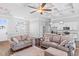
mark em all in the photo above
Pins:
pixel 37 42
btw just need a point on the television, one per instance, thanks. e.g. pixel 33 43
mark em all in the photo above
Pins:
pixel 66 28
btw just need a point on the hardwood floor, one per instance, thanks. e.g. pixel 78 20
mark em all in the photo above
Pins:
pixel 77 52
pixel 4 48
pixel 77 49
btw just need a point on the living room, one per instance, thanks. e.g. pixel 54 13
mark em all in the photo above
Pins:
pixel 39 29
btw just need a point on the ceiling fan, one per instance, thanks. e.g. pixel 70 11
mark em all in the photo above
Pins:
pixel 41 9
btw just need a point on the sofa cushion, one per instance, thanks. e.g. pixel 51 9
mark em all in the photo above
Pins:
pixel 51 38
pixel 29 37
pixel 63 48
pixel 46 39
pixel 18 37
pixel 24 37
pixel 25 41
pixel 50 44
pixel 56 38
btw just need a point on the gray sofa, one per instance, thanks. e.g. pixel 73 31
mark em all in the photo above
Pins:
pixel 60 42
pixel 19 42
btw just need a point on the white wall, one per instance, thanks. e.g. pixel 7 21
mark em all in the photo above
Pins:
pixel 18 27
pixel 34 29
pixel 36 26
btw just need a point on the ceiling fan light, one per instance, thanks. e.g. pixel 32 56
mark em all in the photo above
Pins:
pixel 40 11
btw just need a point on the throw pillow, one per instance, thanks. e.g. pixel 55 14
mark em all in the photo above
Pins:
pixel 11 41
pixel 56 38
pixel 63 43
pixel 24 37
pixel 18 37
pixel 15 40
pixel 47 39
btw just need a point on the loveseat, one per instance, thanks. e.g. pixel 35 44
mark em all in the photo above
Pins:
pixel 21 41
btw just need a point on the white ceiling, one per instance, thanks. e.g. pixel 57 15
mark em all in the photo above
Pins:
pixel 21 10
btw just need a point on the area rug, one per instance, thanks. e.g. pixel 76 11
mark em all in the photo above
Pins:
pixel 31 51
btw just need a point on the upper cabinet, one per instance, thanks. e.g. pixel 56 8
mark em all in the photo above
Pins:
pixel 65 24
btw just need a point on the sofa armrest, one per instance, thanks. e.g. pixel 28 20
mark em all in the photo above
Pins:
pixel 63 48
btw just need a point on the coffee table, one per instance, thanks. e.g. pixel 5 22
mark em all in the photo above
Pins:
pixel 31 51
pixel 54 52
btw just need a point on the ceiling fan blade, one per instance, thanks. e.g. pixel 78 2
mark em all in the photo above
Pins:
pixel 47 9
pixel 32 12
pixel 32 7
pixel 43 4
